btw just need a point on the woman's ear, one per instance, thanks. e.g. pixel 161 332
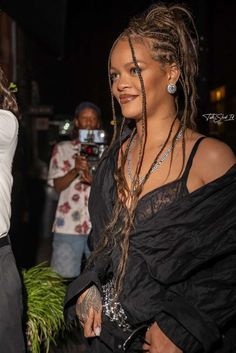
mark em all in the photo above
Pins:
pixel 173 73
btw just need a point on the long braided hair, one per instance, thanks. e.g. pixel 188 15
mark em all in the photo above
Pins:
pixel 7 98
pixel 172 36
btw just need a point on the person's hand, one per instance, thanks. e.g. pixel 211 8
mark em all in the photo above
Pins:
pixel 89 311
pixel 82 168
pixel 159 342
pixel 81 164
pixel 86 177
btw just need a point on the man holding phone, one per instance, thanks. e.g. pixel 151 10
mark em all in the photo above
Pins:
pixel 70 175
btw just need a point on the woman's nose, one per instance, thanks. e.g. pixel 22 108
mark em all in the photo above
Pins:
pixel 123 83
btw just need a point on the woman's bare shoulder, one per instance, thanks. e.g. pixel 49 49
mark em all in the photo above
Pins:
pixel 213 158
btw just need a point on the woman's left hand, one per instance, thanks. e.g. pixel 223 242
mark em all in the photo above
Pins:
pixel 159 342
pixel 89 311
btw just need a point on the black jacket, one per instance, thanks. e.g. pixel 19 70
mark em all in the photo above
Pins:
pixel 181 270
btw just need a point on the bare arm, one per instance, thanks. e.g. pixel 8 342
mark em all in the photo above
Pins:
pixel 213 160
pixel 63 182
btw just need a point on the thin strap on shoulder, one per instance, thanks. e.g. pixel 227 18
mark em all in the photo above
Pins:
pixel 190 159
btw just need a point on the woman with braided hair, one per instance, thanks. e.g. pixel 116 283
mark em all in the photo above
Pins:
pixel 162 276
pixel 11 307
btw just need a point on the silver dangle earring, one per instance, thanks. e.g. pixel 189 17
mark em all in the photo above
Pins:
pixel 171 88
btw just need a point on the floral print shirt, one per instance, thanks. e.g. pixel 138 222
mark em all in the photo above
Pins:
pixel 72 216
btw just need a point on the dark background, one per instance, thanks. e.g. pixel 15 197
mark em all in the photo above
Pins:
pixel 67 44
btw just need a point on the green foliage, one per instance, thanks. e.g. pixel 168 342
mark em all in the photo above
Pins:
pixel 13 87
pixel 45 296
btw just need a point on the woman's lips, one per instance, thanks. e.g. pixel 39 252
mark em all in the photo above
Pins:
pixel 126 98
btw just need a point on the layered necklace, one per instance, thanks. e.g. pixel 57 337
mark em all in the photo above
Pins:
pixel 156 163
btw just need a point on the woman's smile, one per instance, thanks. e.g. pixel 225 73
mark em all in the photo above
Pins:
pixel 126 98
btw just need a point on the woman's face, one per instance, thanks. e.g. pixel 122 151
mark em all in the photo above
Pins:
pixel 87 119
pixel 126 85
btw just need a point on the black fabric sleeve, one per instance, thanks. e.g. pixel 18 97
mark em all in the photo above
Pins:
pixel 177 333
pixel 186 327
pixel 197 312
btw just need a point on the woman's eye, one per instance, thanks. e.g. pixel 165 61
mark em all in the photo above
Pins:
pixel 135 70
pixel 113 76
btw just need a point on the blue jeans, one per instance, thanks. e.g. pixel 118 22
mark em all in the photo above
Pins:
pixel 67 253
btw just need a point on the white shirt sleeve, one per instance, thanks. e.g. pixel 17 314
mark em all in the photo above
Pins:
pixel 8 142
pixel 56 165
pixel 8 129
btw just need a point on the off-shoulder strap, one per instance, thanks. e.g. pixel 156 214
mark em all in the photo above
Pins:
pixel 190 159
